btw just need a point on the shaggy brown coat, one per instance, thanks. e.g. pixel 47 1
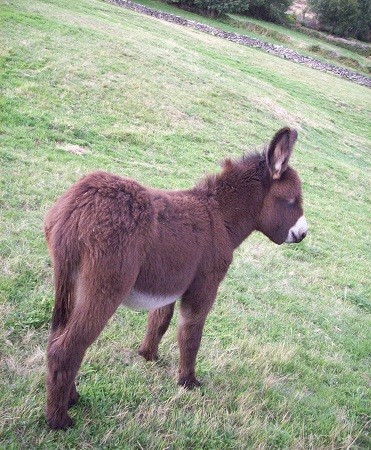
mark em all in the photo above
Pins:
pixel 114 241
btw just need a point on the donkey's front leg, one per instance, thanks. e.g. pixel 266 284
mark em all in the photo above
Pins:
pixel 193 311
pixel 158 323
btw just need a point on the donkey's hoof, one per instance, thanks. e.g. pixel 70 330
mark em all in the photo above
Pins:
pixel 57 423
pixel 148 355
pixel 189 383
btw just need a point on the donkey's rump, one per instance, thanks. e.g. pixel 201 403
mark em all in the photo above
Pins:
pixel 99 212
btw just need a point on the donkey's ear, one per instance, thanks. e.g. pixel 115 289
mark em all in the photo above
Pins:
pixel 279 151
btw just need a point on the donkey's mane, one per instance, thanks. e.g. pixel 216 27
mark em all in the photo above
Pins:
pixel 250 163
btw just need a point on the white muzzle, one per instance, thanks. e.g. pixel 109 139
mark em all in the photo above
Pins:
pixel 298 232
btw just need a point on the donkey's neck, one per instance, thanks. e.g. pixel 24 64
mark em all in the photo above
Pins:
pixel 239 192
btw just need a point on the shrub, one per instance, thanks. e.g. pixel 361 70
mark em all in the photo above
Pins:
pixel 271 10
pixel 315 48
pixel 344 17
pixel 210 7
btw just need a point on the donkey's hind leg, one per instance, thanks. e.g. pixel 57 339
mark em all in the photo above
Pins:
pixel 73 395
pixel 97 300
pixel 158 323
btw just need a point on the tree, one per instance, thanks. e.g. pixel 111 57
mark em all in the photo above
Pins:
pixel 212 8
pixel 271 10
pixel 363 29
pixel 344 17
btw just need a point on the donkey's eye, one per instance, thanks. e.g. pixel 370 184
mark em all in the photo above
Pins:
pixel 287 202
pixel 291 202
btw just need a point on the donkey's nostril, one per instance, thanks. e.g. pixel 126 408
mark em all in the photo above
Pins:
pixel 302 236
pixel 298 232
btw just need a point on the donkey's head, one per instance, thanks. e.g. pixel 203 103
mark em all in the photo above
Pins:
pixel 281 218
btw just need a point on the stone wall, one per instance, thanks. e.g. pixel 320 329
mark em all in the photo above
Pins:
pixel 276 50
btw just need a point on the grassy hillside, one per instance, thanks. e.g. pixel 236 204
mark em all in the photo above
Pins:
pixel 276 34
pixel 285 358
pixel 304 44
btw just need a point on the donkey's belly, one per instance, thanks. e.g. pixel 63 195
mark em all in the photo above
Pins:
pixel 144 300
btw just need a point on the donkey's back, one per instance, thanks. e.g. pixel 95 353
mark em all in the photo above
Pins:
pixel 164 236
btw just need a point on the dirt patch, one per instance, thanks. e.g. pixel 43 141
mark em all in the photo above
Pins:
pixel 276 111
pixel 72 148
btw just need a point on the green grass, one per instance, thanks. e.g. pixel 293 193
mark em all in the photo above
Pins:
pixel 276 34
pixel 304 44
pixel 285 357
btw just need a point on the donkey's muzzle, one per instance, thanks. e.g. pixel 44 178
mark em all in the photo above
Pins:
pixel 298 232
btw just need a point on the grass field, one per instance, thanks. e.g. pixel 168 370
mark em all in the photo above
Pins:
pixel 276 34
pixel 306 45
pixel 285 358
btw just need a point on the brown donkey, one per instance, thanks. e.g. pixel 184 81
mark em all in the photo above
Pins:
pixel 115 242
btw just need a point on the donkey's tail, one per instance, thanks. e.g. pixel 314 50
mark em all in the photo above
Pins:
pixel 65 269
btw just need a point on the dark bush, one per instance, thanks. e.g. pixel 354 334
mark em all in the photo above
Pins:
pixel 270 10
pixel 348 18
pixel 210 7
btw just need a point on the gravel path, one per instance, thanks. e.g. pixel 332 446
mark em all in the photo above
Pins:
pixel 273 49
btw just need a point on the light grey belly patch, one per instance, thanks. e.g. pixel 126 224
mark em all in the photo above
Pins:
pixel 143 300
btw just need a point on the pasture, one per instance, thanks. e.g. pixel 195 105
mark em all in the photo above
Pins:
pixel 285 356
pixel 276 34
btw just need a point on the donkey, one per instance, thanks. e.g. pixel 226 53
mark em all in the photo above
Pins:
pixel 113 241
